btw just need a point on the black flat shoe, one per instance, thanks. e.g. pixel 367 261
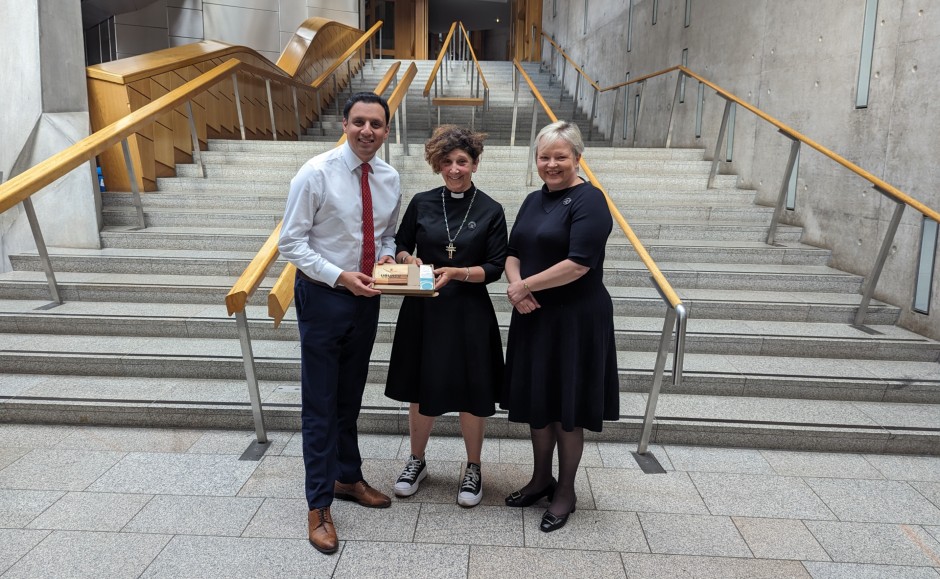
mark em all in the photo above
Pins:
pixel 552 522
pixel 517 499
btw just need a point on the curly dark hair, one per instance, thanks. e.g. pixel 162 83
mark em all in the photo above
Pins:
pixel 447 138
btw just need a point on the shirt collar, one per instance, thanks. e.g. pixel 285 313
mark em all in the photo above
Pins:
pixel 352 161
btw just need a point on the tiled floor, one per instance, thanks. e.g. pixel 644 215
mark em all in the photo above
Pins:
pixel 115 502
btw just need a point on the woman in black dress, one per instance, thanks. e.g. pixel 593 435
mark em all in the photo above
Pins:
pixel 447 355
pixel 561 359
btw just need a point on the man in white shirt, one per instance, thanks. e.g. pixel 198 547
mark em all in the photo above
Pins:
pixel 334 240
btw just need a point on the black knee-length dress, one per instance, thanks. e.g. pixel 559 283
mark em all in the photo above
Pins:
pixel 447 355
pixel 561 359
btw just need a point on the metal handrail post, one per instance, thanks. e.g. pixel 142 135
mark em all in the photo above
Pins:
pixel 404 124
pixel 132 175
pixel 782 196
pixel 238 106
pixel 267 87
pixel 868 288
pixel 430 122
pixel 335 92
pixel 672 112
pixel 613 115
pixel 41 249
pixel 515 106
pixel 551 68
pixel 535 118
pixel 293 90
pixel 380 44
pixel 716 158
pixel 241 320
pixel 575 95
pixel 319 112
pixel 197 154
pixel 561 91
pixel 593 113
pixel 682 316
pixel 639 109
pixel 486 103
pixel 658 370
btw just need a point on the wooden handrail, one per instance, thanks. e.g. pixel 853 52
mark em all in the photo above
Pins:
pixel 659 279
pixel 573 63
pixel 440 59
pixel 251 278
pixel 349 52
pixel 281 295
pixel 42 174
pixel 473 56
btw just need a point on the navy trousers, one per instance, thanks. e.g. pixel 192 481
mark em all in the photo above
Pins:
pixel 337 331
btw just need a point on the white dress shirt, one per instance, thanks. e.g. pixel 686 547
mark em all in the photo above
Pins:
pixel 322 230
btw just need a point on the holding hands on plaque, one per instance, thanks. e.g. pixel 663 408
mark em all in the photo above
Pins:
pixel 447 355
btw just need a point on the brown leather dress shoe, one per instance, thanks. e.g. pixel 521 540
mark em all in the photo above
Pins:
pixel 321 531
pixel 360 492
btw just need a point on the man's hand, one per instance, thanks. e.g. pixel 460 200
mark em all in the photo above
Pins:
pixel 387 259
pixel 357 283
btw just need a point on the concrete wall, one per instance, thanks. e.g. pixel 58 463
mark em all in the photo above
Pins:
pixel 798 61
pixel 41 48
pixel 264 25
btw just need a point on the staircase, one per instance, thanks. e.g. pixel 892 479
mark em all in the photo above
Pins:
pixel 771 357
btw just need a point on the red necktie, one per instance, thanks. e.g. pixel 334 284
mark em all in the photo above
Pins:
pixel 368 228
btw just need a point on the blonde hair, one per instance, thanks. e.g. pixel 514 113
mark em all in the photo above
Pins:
pixel 561 131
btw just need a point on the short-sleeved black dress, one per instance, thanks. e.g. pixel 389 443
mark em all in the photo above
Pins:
pixel 561 359
pixel 447 355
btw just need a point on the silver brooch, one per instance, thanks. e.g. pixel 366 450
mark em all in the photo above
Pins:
pixel 472 225
pixel 566 201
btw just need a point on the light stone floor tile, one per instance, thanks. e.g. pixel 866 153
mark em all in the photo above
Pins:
pixel 33 435
pixel 102 387
pixel 179 515
pixel 780 539
pixel 693 535
pixel 90 512
pixel 875 501
pixel 587 530
pixel 525 563
pixel 619 455
pixel 820 464
pixel 278 477
pixel 628 490
pixel 672 566
pixel 17 384
pixel 480 525
pixel 281 519
pixel 740 460
pixel 194 556
pixel 176 474
pixel 747 495
pixel 930 490
pixel 935 531
pixel 361 560
pixel 19 507
pixel 440 486
pixel 9 455
pixel 89 554
pixel 16 543
pixel 381 446
pixel 917 468
pixel 54 469
pixel 856 571
pixel 910 415
pixel 876 543
pixel 212 391
pixel 236 442
pixel 122 439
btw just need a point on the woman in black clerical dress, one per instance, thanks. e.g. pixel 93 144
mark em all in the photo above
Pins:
pixel 447 355
pixel 561 358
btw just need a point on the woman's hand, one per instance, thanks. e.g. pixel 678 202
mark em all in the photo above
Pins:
pixel 517 291
pixel 527 305
pixel 442 276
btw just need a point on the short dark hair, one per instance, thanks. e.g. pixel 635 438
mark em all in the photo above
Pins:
pixel 448 138
pixel 366 97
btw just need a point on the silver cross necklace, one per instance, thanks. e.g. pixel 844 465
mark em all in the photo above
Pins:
pixel 451 248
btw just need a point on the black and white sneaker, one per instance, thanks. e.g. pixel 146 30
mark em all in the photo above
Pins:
pixel 415 472
pixel 471 489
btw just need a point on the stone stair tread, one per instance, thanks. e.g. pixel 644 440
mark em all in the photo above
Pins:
pixel 143 348
pixel 278 397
